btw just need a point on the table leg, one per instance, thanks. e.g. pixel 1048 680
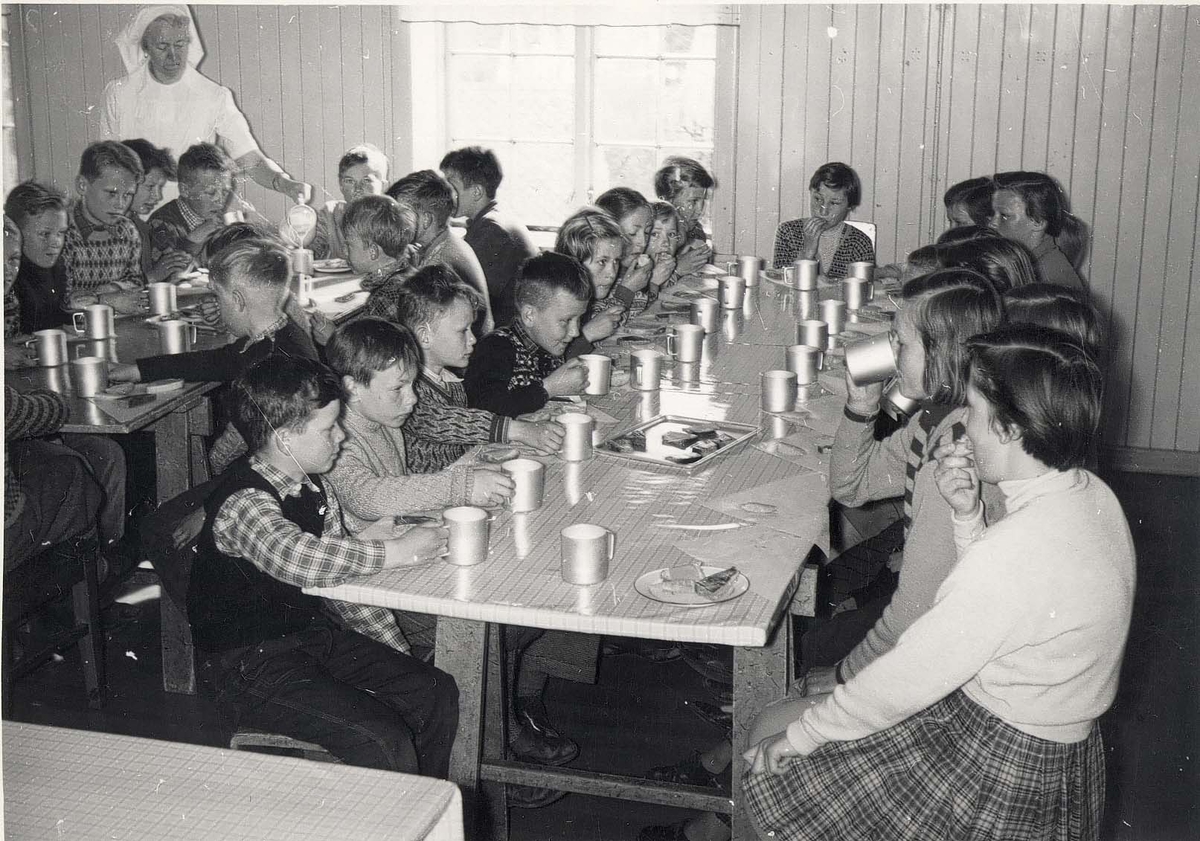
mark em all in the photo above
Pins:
pixel 174 460
pixel 495 735
pixel 760 676
pixel 460 650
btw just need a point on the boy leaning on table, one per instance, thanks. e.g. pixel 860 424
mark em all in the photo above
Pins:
pixel 290 663
pixel 517 369
pixel 205 188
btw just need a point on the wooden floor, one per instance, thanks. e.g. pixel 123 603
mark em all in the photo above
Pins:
pixel 638 714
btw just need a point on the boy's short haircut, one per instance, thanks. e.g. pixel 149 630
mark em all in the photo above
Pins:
pixel 365 153
pixel 619 202
pixel 1058 308
pixel 109 154
pixel 380 220
pixel 965 233
pixel 425 192
pixel 153 157
pixel 281 392
pixel 677 174
pixel 578 236
pixel 366 346
pixel 949 306
pixel 260 263
pixel 1005 262
pixel 476 166
pixel 541 277
pixel 204 157
pixel 29 199
pixel 1044 383
pixel 838 176
pixel 425 297
pixel 224 237
pixel 665 211
pixel 974 194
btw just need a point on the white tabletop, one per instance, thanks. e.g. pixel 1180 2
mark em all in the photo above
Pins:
pixel 520 582
pixel 79 784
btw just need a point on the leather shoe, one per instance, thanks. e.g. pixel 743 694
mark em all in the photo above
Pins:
pixel 531 797
pixel 687 772
pixel 536 740
pixel 664 832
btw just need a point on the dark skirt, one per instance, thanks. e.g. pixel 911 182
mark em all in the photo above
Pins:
pixel 953 771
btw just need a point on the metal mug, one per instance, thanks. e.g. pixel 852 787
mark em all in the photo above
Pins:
pixel 577 435
pixel 51 347
pixel 175 336
pixel 896 404
pixel 806 274
pixel 706 313
pixel 857 292
pixel 733 292
pixel 778 391
pixel 686 343
pixel 468 542
pixel 587 551
pixel 97 321
pixel 599 373
pixel 833 313
pixel 645 369
pixel 748 269
pixel 871 360
pixel 529 480
pixel 805 361
pixel 813 333
pixel 164 298
pixel 89 375
pixel 863 269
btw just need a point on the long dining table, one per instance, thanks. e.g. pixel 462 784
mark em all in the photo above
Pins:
pixel 760 506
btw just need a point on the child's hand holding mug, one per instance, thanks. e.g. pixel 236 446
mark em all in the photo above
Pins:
pixel 543 436
pixel 569 378
pixel 490 485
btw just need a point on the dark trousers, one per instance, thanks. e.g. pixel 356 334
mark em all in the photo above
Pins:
pixel 62 498
pixel 364 702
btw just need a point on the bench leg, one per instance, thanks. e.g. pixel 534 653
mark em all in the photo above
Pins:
pixel 85 602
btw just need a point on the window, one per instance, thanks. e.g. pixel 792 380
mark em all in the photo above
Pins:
pixel 574 110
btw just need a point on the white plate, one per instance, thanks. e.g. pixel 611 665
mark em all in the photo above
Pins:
pixel 650 586
pixel 163 386
pixel 334 265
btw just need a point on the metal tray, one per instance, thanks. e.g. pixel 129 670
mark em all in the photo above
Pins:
pixel 644 443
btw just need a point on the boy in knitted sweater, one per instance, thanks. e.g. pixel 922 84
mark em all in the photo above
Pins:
pixel 440 309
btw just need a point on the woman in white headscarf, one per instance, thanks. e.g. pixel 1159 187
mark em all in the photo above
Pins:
pixel 167 101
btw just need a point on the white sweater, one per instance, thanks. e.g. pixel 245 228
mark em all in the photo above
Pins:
pixel 1031 623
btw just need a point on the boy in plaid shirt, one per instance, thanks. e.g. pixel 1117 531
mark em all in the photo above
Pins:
pixel 284 661
pixel 103 249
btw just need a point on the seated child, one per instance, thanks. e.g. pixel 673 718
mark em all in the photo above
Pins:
pixel 12 267
pixel 277 661
pixel 362 171
pixel 102 252
pixel 432 199
pixel 593 237
pixel 635 218
pixel 40 285
pixel 205 189
pixel 664 243
pixel 834 190
pixel 379 232
pixel 518 368
pixel 499 241
pixel 1069 311
pixel 1047 596
pixel 160 168
pixel 687 185
pixel 969 202
pixel 378 362
pixel 439 309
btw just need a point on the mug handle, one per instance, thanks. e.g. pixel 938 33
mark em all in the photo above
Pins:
pixel 672 341
pixel 612 544
pixel 194 333
pixel 635 371
pixel 80 327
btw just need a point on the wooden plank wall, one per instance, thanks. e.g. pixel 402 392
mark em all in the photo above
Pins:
pixel 918 97
pixel 311 80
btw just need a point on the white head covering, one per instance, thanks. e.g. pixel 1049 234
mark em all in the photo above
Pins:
pixel 129 40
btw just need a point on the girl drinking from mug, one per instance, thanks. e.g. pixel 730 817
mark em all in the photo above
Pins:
pixel 981 722
pixel 593 238
pixel 834 190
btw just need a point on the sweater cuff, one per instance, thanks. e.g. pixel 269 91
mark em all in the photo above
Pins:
pixel 857 418
pixel 624 294
pixel 500 427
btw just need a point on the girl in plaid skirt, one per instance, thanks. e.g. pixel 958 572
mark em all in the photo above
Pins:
pixel 980 722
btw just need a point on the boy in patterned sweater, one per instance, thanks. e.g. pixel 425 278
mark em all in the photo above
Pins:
pixel 440 309
pixel 205 189
pixel 517 369
pixel 103 250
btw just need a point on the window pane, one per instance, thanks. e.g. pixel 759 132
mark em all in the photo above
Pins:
pixel 696 41
pixel 477 95
pixel 558 40
pixel 685 112
pixel 624 166
pixel 539 181
pixel 626 106
pixel 652 41
pixel 472 37
pixel 543 98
